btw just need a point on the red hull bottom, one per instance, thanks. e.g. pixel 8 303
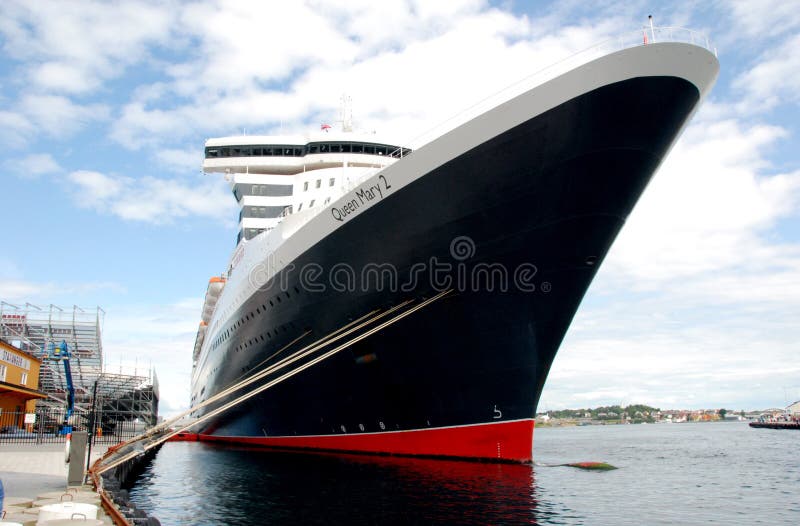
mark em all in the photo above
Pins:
pixel 500 441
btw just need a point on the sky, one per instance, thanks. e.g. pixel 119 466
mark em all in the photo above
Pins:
pixel 105 106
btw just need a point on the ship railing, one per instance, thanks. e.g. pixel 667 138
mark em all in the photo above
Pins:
pixel 647 35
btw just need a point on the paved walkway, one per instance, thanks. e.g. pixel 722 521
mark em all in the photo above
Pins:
pixel 28 470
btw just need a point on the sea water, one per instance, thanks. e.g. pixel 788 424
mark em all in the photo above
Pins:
pixel 689 473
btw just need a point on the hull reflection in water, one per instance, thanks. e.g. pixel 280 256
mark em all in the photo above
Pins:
pixel 200 484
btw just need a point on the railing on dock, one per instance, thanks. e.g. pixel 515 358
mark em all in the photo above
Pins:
pixel 46 426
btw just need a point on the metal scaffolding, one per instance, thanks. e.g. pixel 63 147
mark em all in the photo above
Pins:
pixel 31 328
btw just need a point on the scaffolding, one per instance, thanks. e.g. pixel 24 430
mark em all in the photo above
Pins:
pixel 119 396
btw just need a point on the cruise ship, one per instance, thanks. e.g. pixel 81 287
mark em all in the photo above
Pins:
pixel 389 299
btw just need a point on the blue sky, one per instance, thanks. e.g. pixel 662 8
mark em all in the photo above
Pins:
pixel 104 107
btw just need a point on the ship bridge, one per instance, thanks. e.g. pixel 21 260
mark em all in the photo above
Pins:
pixel 274 176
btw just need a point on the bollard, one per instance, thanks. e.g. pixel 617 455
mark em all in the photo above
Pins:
pixel 77 458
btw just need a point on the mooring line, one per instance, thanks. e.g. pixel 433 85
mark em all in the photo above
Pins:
pixel 328 339
pixel 301 368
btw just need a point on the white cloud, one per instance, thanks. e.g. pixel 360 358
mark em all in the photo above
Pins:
pixel 15 289
pixel 190 160
pixel 161 335
pixel 15 128
pixel 149 199
pixel 33 165
pixel 698 283
pixel 59 116
pixel 405 79
pixel 707 208
pixel 762 19
pixel 66 49
pixel 697 297
pixel 774 79
pixel 657 352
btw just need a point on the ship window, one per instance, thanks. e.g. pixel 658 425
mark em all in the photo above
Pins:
pixel 256 152
pixel 324 148
pixel 297 290
pixel 305 186
pixel 380 150
pixel 346 148
pixel 298 152
pixel 224 152
pixel 332 180
pixel 271 304
pixel 369 149
pixel 327 200
pixel 311 204
pixel 212 152
pixel 313 148
pixel 336 148
pixel 278 298
pixel 358 148
pixel 246 152
pixel 319 183
pixel 267 152
pixel 236 152
pixel 299 207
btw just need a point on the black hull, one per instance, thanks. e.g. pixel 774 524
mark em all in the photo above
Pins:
pixel 551 193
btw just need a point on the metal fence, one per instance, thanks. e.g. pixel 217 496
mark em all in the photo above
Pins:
pixel 49 426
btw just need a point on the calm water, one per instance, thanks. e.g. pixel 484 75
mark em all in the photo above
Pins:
pixel 722 473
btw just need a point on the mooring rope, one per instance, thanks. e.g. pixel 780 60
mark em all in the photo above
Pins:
pixel 255 377
pixel 327 340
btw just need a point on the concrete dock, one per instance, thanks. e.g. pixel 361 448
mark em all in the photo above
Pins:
pixel 34 475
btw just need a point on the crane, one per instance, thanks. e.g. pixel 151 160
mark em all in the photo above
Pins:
pixel 60 353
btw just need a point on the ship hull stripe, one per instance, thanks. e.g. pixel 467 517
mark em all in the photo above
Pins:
pixel 510 441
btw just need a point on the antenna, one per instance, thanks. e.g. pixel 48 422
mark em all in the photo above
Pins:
pixel 346 113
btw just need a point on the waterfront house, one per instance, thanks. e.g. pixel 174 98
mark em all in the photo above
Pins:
pixel 19 383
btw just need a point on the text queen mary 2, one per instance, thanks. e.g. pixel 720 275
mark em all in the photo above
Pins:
pixel 389 301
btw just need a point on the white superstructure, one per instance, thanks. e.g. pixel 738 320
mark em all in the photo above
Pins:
pixel 272 176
